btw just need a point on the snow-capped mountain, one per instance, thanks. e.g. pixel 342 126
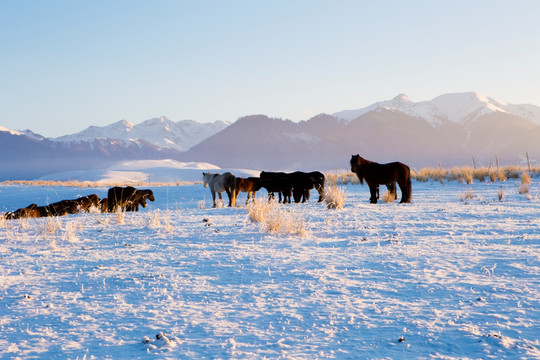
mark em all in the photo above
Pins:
pixel 160 132
pixel 448 130
pixel 457 108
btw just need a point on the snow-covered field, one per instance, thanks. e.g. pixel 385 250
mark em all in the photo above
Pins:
pixel 447 276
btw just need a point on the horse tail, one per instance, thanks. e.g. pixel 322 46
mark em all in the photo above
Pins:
pixel 409 186
pixel 233 189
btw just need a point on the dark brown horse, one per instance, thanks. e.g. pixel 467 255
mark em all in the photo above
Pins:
pixel 31 211
pixel 277 182
pixel 75 206
pixel 303 182
pixel 127 198
pixel 104 205
pixel 298 184
pixel 377 174
pixel 59 208
pixel 248 185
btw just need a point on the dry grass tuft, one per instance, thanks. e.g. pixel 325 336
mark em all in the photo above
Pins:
pixel 275 218
pixel 71 230
pixel 158 220
pixel 526 178
pixel 525 182
pixel 425 174
pixel 120 216
pixel 501 194
pixel 389 197
pixel 467 195
pixel 334 197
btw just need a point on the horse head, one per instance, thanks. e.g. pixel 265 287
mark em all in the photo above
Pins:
pixel 356 167
pixel 206 178
pixel 356 162
pixel 148 194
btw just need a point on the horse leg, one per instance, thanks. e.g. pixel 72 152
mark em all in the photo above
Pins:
pixel 232 200
pixel 214 198
pixel 234 195
pixel 404 191
pixel 320 195
pixel 287 196
pixel 374 191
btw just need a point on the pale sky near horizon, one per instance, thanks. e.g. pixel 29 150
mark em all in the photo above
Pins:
pixel 66 65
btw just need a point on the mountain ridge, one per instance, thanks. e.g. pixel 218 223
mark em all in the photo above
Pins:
pixel 454 107
pixel 448 130
pixel 162 132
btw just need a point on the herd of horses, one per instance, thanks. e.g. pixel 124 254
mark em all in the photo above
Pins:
pixel 124 198
pixel 296 185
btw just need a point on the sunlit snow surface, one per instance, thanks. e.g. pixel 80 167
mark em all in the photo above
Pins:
pixel 441 277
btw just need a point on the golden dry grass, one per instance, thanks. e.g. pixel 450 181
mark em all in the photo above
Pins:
pixel 334 197
pixel 275 218
pixel 464 174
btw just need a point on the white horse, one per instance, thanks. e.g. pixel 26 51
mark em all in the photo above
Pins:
pixel 219 183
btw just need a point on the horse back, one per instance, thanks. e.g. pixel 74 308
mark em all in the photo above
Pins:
pixel 383 174
pixel 248 184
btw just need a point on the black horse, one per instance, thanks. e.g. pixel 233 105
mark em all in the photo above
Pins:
pixel 127 198
pixel 277 182
pixel 297 183
pixel 303 182
pixel 377 174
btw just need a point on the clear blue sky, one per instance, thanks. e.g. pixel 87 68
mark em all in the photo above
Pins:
pixel 66 65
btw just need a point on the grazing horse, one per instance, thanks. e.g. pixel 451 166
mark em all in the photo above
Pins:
pixel 59 208
pixel 304 182
pixel 277 182
pixel 297 183
pixel 127 198
pixel 219 183
pixel 377 174
pixel 81 204
pixel 140 200
pixel 31 211
pixel 104 205
pixel 248 185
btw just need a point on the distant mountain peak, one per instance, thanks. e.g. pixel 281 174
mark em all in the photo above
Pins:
pixel 12 132
pixel 155 121
pixel 123 124
pixel 159 131
pixel 402 98
pixel 454 107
